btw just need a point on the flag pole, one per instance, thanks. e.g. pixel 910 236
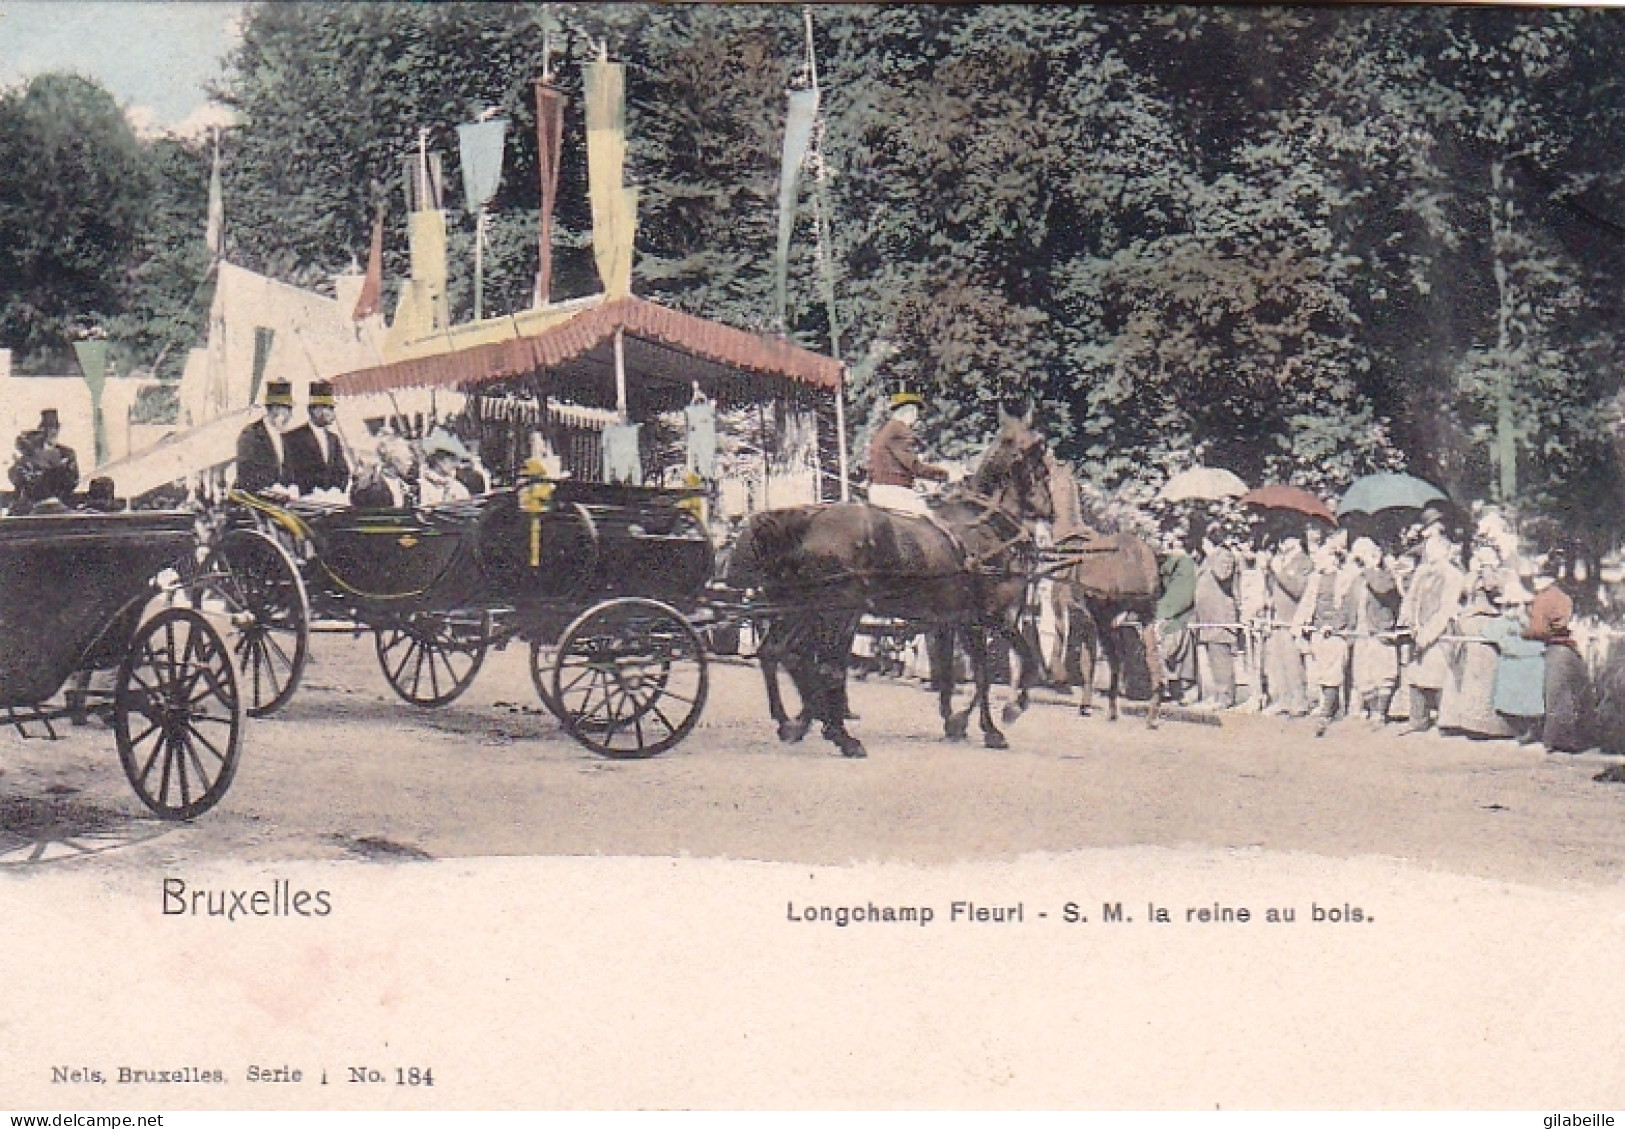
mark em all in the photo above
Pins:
pixel 826 261
pixel 479 264
pixel 544 272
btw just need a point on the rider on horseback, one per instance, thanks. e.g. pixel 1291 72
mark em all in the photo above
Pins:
pixel 894 464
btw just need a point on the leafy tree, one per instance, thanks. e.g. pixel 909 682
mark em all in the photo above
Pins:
pixel 333 98
pixel 165 311
pixel 1302 243
pixel 74 188
pixel 706 112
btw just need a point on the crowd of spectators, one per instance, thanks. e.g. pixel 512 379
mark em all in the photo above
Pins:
pixel 1467 632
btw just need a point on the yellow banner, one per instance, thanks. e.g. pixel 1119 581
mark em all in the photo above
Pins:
pixel 614 207
pixel 428 237
pixel 612 243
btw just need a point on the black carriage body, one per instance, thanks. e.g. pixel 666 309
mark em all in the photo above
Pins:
pixel 600 576
pixel 76 590
pixel 589 542
pixel 376 565
pixel 593 542
pixel 72 589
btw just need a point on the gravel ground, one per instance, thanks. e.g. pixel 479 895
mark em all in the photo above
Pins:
pixel 347 771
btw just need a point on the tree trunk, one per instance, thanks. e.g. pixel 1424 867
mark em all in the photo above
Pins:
pixel 1506 451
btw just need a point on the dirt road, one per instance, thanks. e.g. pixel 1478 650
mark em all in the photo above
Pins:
pixel 347 770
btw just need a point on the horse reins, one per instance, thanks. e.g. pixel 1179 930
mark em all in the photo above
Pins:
pixel 989 508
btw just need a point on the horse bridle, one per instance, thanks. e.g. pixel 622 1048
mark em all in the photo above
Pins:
pixel 991 508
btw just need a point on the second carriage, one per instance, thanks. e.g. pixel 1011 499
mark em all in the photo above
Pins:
pixel 605 582
pixel 89 616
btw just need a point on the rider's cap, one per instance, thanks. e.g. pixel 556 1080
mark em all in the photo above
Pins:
pixel 279 394
pixel 904 396
pixel 321 394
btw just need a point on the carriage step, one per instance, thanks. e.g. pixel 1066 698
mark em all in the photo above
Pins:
pixel 336 627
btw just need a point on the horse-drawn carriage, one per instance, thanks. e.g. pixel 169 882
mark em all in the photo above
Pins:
pixel 608 580
pixel 595 578
pixel 82 600
pixel 604 580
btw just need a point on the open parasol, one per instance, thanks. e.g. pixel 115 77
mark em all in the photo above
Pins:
pixel 1202 484
pixel 1291 498
pixel 1377 492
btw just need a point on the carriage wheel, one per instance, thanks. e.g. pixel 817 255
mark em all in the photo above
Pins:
pixel 255 574
pixel 541 677
pixel 630 678
pixel 177 716
pixel 431 659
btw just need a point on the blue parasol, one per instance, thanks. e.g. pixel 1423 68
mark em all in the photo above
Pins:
pixel 1377 492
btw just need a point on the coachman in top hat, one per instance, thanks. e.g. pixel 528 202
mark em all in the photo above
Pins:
pixel 44 469
pixel 316 457
pixel 262 446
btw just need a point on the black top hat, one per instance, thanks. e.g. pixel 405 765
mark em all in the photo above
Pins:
pixel 278 394
pixel 321 394
pixel 48 420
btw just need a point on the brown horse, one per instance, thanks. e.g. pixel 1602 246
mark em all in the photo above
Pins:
pixel 1105 601
pixel 963 571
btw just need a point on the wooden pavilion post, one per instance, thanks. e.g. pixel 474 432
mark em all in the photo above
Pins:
pixel 620 373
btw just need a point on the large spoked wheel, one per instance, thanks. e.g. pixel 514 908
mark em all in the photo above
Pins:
pixel 258 579
pixel 429 660
pixel 629 678
pixel 541 677
pixel 177 715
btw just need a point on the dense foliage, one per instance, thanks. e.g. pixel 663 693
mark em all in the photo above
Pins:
pixel 1301 243
pixel 74 190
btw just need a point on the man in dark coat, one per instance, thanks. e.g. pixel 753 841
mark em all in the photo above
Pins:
pixel 261 446
pixel 316 457
pixel 45 468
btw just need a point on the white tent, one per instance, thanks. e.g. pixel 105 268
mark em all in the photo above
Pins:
pixel 306 336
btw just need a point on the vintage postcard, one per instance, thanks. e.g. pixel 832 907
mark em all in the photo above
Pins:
pixel 587 556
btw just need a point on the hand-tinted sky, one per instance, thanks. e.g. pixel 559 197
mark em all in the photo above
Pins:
pixel 156 58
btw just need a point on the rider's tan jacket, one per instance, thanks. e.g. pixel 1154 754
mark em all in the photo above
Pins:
pixel 893 460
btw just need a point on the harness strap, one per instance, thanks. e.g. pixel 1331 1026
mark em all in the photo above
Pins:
pixel 990 509
pixel 953 538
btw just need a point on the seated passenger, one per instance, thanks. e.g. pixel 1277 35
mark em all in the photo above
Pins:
pixel 387 483
pixel 443 454
pixel 316 458
pixel 262 465
pixel 472 475
pixel 46 473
